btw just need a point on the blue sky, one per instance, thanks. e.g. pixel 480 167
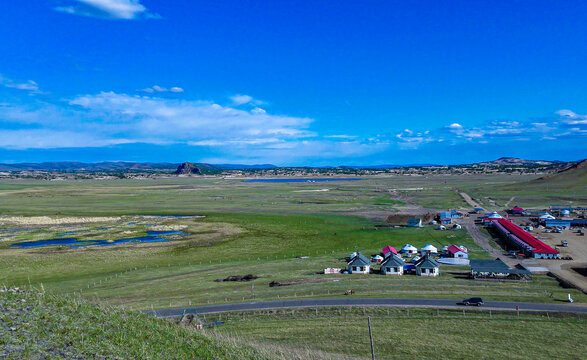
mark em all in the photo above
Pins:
pixel 292 82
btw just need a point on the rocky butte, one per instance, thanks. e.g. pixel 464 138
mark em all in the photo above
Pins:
pixel 187 168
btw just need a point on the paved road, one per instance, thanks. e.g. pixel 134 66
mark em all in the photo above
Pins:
pixel 351 301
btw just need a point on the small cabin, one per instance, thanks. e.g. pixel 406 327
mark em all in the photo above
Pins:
pixel 392 265
pixel 359 264
pixel 426 266
pixel 445 218
pixel 456 252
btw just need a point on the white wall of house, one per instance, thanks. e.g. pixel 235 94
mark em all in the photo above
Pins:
pixel 355 269
pixel 392 270
pixel 427 272
pixel 461 255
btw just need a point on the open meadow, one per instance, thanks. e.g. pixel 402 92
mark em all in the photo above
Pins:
pixel 164 243
pixel 284 232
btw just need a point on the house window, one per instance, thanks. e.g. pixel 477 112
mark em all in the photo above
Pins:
pixel 361 268
pixel 396 269
pixel 388 269
pixel 354 268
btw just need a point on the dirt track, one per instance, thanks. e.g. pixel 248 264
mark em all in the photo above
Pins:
pixel 483 240
pixel 469 200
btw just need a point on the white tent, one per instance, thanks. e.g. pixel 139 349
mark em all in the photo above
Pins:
pixel 441 227
pixel 547 217
pixel 495 215
pixel 428 249
pixel 444 249
pixel 378 258
pixel 409 249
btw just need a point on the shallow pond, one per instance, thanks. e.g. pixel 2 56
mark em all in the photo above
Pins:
pixel 301 180
pixel 153 236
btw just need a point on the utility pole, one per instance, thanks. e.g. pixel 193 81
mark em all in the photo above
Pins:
pixel 371 338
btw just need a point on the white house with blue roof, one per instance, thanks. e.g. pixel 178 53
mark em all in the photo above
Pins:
pixel 359 264
pixel 392 265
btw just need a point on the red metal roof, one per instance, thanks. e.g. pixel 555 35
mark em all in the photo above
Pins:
pixel 388 248
pixel 539 246
pixel 453 249
pixel 517 208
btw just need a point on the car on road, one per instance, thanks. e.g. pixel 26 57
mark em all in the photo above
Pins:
pixel 476 301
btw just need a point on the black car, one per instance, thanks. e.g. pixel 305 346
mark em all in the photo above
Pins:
pixel 473 301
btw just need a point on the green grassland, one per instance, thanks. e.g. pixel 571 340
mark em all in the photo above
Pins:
pixel 414 333
pixel 41 326
pixel 278 231
pixel 182 272
pixel 213 194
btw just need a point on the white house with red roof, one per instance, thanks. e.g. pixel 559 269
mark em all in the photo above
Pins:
pixel 457 252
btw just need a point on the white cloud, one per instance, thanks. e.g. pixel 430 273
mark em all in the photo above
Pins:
pixel 241 99
pixel 29 85
pixel 455 126
pixel 258 110
pixel 572 118
pixel 157 88
pixel 340 136
pixel 180 120
pixel 110 9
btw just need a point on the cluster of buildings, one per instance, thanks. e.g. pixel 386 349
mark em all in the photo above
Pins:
pixel 519 238
pixel 391 262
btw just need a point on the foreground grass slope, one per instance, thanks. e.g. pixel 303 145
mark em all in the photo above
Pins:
pixel 37 326
pixel 34 325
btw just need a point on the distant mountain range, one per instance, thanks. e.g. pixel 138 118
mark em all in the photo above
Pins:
pixel 520 162
pixel 121 166
pixel 211 168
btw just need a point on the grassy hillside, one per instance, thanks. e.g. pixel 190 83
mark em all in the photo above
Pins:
pixel 37 326
pixel 573 179
pixel 34 325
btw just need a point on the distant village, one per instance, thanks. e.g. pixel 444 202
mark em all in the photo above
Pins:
pixel 515 237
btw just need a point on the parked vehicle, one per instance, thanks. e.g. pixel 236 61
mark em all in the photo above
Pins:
pixel 477 301
pixel 564 243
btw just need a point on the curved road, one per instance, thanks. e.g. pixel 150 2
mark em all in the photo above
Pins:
pixel 351 301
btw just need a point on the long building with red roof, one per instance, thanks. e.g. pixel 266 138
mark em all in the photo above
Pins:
pixel 524 241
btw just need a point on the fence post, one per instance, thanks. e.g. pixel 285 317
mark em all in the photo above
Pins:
pixel 371 338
